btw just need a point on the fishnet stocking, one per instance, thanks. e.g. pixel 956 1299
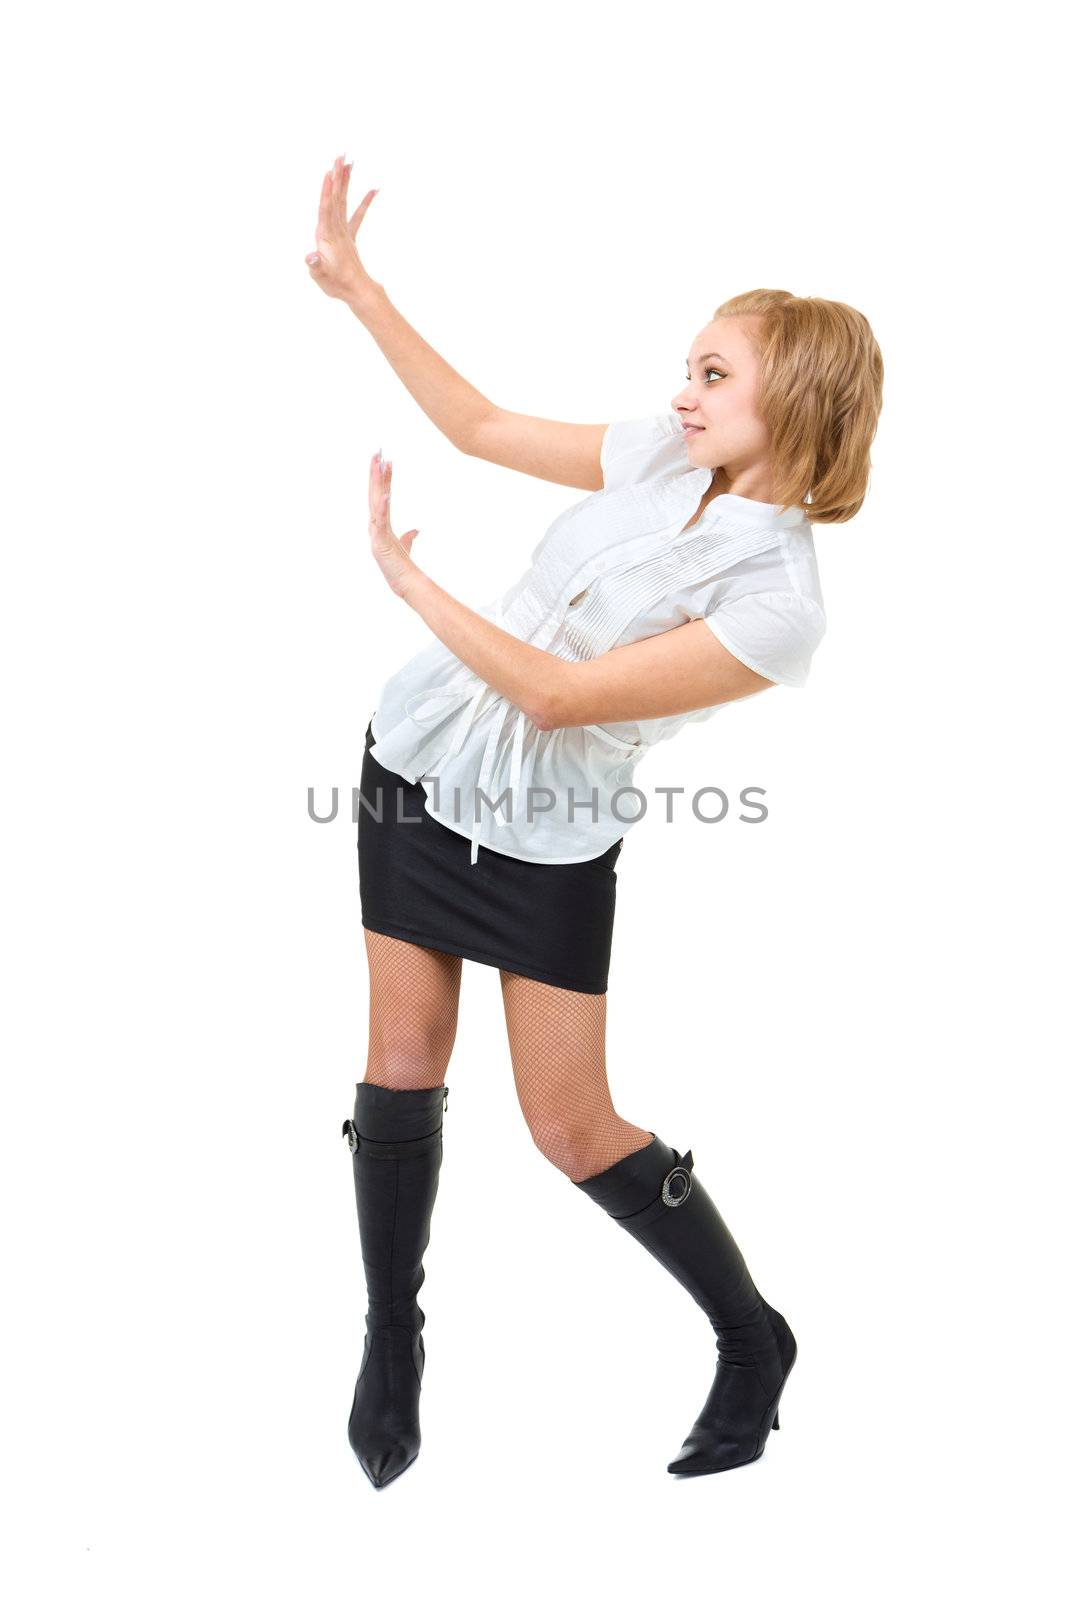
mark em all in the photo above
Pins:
pixel 556 1037
pixel 414 1011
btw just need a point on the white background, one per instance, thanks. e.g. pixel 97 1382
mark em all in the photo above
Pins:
pixel 848 1013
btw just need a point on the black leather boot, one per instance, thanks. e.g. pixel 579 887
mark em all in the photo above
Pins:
pixel 653 1195
pixel 396 1141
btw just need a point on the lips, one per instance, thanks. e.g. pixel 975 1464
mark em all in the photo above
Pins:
pixel 689 428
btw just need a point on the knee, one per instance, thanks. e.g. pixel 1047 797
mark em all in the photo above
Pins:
pixel 406 1055
pixel 567 1142
pixel 581 1147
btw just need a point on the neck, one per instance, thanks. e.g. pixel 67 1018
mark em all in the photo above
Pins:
pixel 744 485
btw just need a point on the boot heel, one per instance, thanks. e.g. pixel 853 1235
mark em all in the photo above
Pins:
pixel 774 1424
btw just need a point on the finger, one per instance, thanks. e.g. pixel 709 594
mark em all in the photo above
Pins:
pixel 383 516
pixel 324 210
pixel 340 186
pixel 342 197
pixel 384 484
pixel 372 488
pixel 335 179
pixel 360 212
pixel 379 503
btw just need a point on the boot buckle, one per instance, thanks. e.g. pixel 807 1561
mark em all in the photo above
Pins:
pixel 677 1185
pixel 348 1128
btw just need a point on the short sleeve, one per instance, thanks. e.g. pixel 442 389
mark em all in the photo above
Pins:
pixel 642 448
pixel 776 633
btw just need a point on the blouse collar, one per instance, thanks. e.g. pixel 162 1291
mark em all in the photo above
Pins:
pixel 755 513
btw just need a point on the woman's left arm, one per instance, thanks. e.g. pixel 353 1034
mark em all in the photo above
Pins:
pixel 684 669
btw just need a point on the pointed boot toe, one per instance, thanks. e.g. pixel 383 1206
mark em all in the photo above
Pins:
pixel 733 1424
pixel 705 1451
pixel 383 1425
pixel 703 1455
pixel 385 1465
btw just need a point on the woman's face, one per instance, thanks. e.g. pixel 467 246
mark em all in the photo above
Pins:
pixel 720 398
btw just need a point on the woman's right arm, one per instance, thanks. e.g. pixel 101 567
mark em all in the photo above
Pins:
pixel 560 452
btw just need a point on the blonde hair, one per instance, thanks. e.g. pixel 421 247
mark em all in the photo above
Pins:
pixel 820 396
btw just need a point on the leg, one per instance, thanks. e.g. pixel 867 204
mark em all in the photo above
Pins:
pixel 395 1136
pixel 557 1048
pixel 414 1012
pixel 556 1039
pixel 654 1195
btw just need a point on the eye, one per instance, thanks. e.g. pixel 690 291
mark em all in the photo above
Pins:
pixel 707 373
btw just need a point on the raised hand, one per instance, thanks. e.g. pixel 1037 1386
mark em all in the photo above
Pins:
pixel 334 263
pixel 393 555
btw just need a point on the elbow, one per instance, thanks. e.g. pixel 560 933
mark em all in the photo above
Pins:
pixel 542 716
pixel 470 439
pixel 549 701
pixel 546 710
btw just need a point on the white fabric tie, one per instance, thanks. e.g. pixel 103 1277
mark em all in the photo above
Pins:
pixel 472 692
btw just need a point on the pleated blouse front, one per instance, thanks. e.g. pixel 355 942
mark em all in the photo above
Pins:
pixel 618 566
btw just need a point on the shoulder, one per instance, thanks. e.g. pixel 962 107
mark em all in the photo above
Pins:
pixel 638 449
pixel 774 629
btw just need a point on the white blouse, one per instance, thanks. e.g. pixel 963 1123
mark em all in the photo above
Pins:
pixel 614 568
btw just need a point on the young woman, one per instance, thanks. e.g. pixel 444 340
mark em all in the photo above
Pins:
pixel 497 785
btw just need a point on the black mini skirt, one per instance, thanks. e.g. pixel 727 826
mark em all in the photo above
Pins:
pixel 543 920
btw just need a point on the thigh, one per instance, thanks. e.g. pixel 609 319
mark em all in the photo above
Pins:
pixel 414 1011
pixel 557 1042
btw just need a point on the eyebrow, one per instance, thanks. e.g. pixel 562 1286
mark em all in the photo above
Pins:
pixel 708 355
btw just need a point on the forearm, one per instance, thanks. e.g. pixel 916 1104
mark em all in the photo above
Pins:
pixel 530 678
pixel 681 670
pixel 451 403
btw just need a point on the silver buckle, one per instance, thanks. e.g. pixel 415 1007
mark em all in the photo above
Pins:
pixel 348 1128
pixel 670 1199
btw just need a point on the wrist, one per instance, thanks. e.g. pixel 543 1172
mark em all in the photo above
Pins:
pixel 362 301
pixel 416 588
